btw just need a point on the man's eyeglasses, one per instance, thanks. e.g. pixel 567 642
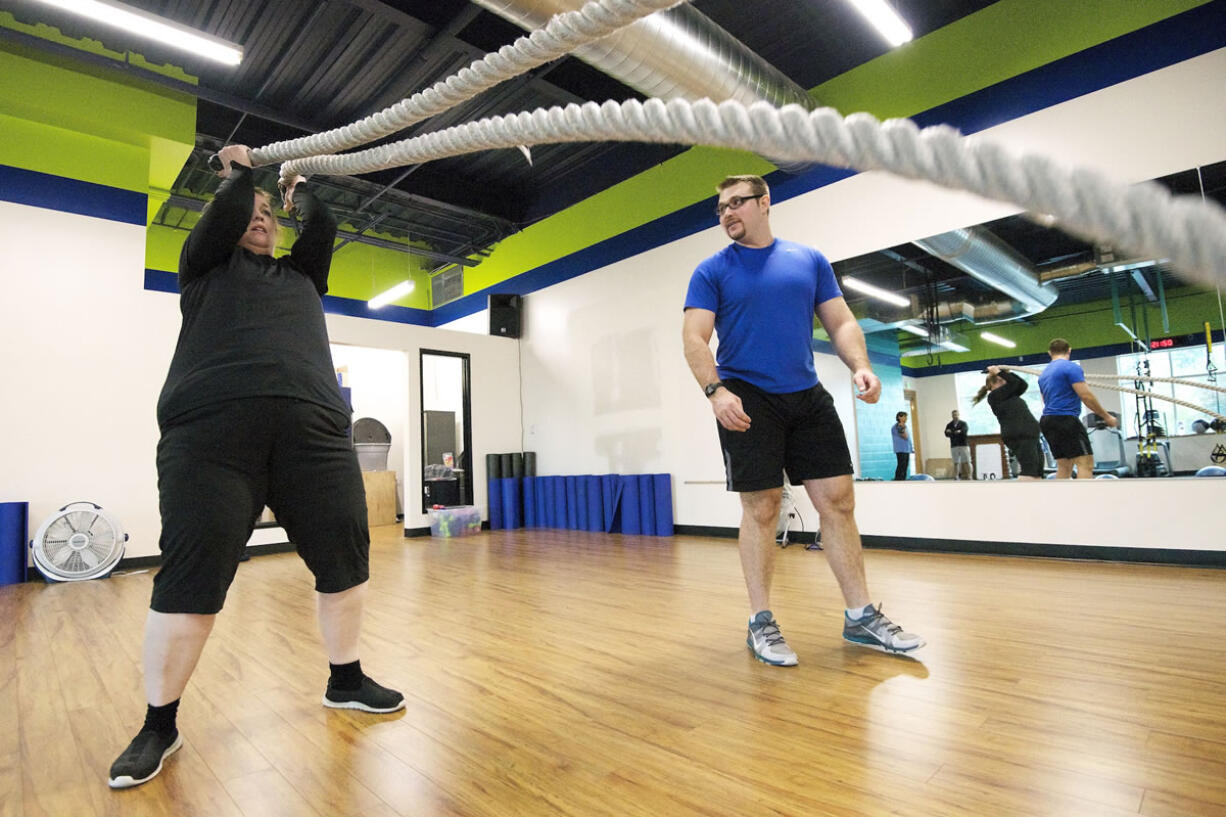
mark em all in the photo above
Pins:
pixel 733 203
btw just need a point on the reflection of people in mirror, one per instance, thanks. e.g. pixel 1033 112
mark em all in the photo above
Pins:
pixel 956 430
pixel 1019 431
pixel 772 415
pixel 1064 389
pixel 902 445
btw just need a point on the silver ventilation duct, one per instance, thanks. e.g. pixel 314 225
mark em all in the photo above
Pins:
pixel 986 258
pixel 679 53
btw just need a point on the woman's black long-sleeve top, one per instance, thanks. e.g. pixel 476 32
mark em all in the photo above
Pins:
pixel 253 325
pixel 1011 410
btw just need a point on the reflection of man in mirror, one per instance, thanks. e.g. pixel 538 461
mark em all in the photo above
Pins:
pixel 902 446
pixel 760 294
pixel 1064 389
pixel 956 430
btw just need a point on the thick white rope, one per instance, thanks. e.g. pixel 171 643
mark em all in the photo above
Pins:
pixel 1179 381
pixel 1143 218
pixel 1108 386
pixel 560 36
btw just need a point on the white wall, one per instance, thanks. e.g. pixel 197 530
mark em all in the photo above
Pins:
pixel 378 380
pixel 86 349
pixel 494 381
pixel 606 387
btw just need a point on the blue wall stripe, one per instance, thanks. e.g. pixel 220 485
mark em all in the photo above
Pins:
pixel 1175 39
pixel 71 195
pixel 162 281
pixel 360 309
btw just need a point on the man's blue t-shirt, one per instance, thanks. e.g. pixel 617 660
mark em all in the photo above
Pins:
pixel 902 445
pixel 764 301
pixel 1056 385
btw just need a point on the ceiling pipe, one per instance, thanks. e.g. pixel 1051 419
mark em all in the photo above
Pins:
pixel 987 259
pixel 678 53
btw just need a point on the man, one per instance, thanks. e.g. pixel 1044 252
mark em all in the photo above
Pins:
pixel 956 430
pixel 772 415
pixel 251 414
pixel 1064 389
pixel 902 446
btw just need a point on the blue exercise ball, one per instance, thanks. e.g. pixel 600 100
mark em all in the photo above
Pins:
pixel 1212 471
pixel 1107 476
pixel 922 477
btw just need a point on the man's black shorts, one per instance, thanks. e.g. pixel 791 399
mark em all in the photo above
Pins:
pixel 1066 436
pixel 218 466
pixel 799 432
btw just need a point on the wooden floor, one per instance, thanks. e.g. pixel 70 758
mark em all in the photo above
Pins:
pixel 564 673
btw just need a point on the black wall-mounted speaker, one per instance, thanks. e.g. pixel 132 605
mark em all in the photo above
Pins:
pixel 505 312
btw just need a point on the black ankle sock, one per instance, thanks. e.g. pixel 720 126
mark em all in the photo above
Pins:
pixel 346 676
pixel 161 718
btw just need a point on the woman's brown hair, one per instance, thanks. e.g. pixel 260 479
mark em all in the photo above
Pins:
pixel 985 388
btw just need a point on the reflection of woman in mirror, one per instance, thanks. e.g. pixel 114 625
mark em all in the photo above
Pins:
pixel 1019 431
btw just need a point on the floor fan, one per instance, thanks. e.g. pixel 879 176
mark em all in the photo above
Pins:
pixel 79 541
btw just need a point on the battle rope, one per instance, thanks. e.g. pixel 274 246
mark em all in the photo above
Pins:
pixel 1110 387
pixel 1142 218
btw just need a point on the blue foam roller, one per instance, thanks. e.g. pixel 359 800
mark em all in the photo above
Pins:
pixel 582 503
pixel 14 530
pixel 572 504
pixel 542 512
pixel 511 514
pixel 663 485
pixel 595 504
pixel 647 505
pixel 529 488
pixel 559 502
pixel 610 491
pixel 495 495
pixel 632 521
pixel 550 515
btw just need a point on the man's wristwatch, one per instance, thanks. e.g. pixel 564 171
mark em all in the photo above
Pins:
pixel 711 388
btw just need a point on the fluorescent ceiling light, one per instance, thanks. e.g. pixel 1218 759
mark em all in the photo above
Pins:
pixel 144 24
pixel 394 294
pixel 875 292
pixel 953 347
pixel 885 20
pixel 997 339
pixel 919 331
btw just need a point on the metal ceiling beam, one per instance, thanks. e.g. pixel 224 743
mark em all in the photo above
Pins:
pixel 197 205
pixel 444 40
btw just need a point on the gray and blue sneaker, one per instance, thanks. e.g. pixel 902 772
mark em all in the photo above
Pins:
pixel 767 642
pixel 877 632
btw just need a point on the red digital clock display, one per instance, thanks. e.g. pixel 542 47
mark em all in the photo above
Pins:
pixel 1162 343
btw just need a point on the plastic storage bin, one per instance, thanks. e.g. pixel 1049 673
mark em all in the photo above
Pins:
pixel 461 520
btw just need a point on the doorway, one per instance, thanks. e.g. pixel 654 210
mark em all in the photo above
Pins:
pixel 446 429
pixel 913 404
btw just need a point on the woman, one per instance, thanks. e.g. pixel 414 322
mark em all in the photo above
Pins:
pixel 1018 429
pixel 251 415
